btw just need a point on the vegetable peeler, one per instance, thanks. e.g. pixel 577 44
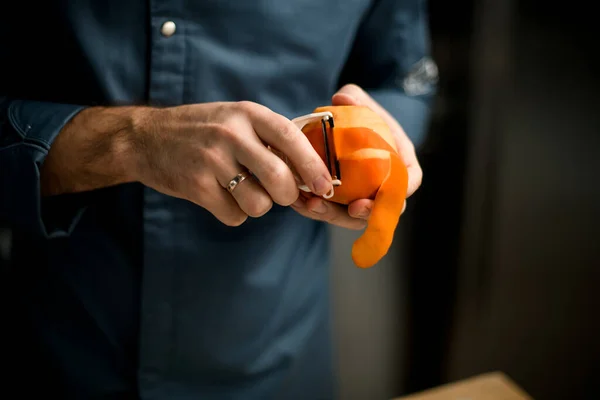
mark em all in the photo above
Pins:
pixel 333 165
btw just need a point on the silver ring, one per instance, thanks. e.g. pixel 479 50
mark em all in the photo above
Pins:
pixel 239 178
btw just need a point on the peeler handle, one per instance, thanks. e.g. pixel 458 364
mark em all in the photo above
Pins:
pixel 302 121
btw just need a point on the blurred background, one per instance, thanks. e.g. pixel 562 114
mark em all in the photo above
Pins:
pixel 496 266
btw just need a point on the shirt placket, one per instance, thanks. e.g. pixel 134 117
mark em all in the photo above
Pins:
pixel 166 88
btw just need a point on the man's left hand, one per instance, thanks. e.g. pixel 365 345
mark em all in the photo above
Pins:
pixel 356 214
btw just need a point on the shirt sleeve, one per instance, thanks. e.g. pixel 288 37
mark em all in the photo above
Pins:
pixel 391 60
pixel 27 130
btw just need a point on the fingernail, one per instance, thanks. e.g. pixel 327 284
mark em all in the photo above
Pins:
pixel 364 214
pixel 322 185
pixel 320 208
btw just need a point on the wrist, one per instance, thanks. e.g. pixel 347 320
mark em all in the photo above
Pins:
pixel 137 140
pixel 126 130
pixel 112 129
pixel 124 144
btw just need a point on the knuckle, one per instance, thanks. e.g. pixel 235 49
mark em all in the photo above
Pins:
pixel 214 134
pixel 245 106
pixel 260 206
pixel 277 174
pixel 285 132
pixel 204 182
pixel 230 131
pixel 222 146
pixel 234 138
pixel 288 133
pixel 225 131
pixel 220 112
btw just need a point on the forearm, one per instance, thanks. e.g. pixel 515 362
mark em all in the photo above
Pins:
pixel 90 152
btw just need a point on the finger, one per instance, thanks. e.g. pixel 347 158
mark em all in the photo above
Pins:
pixel 354 95
pixel 360 208
pixel 415 172
pixel 344 99
pixel 282 134
pixel 318 209
pixel 271 171
pixel 222 205
pixel 251 197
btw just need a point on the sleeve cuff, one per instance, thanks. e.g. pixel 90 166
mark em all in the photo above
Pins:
pixel 27 130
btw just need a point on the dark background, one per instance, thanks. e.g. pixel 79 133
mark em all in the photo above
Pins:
pixel 505 242
pixel 505 234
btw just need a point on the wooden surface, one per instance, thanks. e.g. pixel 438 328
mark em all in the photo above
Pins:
pixel 491 386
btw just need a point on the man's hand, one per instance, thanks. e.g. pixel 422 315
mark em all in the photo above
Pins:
pixel 356 214
pixel 190 152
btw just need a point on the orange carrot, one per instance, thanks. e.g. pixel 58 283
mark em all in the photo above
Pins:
pixel 371 168
pixel 377 238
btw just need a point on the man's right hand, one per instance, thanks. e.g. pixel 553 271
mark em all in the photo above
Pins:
pixel 190 152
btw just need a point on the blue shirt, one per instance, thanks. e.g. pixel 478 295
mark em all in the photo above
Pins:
pixel 127 293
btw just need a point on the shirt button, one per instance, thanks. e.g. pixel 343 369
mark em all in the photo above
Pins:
pixel 168 29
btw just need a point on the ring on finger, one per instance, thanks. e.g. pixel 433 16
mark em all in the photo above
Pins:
pixel 239 178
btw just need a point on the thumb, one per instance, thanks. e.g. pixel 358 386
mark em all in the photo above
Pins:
pixel 344 99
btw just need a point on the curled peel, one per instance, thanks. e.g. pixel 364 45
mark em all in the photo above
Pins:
pixel 375 241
